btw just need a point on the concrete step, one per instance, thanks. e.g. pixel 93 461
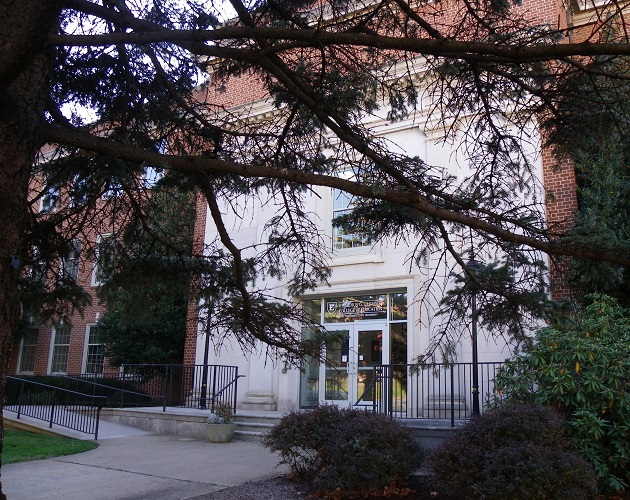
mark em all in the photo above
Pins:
pixel 249 436
pixel 254 427
pixel 257 417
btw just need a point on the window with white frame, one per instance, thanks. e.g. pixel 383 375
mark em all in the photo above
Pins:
pixel 28 348
pixel 70 263
pixel 94 351
pixel 60 348
pixel 79 191
pixel 152 175
pixel 343 204
pixel 104 259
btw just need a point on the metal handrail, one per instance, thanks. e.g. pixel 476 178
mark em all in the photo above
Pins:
pixel 371 387
pixel 225 388
pixel 156 385
pixel 62 417
pixel 186 378
pixel 115 389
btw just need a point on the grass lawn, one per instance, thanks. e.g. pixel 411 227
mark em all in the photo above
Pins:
pixel 21 446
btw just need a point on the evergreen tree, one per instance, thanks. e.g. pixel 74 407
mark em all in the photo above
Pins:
pixel 484 74
pixel 155 335
pixel 149 280
pixel 597 140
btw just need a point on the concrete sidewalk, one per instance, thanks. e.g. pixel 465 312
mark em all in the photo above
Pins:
pixel 133 464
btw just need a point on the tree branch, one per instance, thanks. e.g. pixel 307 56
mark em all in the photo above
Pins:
pixel 403 197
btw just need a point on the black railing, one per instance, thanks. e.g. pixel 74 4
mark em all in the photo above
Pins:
pixel 145 386
pixel 166 385
pixel 119 392
pixel 437 391
pixel 369 399
pixel 55 405
pixel 223 384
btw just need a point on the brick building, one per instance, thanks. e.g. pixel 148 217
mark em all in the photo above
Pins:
pixel 370 297
pixel 387 318
pixel 65 344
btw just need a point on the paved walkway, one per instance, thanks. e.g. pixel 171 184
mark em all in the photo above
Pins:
pixel 133 464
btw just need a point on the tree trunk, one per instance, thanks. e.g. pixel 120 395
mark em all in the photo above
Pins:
pixel 24 70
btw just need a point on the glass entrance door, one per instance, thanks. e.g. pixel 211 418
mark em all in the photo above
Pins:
pixel 351 358
pixel 370 354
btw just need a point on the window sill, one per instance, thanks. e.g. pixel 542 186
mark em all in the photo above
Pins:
pixel 339 259
pixel 584 5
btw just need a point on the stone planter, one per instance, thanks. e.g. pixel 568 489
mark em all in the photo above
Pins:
pixel 220 433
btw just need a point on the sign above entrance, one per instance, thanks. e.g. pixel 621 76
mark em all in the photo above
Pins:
pixel 355 308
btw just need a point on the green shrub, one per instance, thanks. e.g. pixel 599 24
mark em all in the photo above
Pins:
pixel 345 450
pixel 583 370
pixel 515 452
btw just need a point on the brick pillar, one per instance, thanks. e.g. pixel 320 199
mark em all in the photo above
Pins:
pixel 561 188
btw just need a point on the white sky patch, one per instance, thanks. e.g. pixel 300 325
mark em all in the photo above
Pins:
pixel 225 11
pixel 73 110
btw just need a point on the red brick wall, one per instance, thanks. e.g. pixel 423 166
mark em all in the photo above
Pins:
pixel 92 228
pixel 79 322
pixel 241 90
pixel 560 185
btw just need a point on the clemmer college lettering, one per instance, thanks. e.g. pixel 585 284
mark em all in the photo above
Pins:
pixel 356 308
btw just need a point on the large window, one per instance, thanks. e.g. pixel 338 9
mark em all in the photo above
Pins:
pixel 94 357
pixel 309 377
pixel 343 204
pixel 28 348
pixel 38 269
pixel 104 259
pixel 70 263
pixel 60 349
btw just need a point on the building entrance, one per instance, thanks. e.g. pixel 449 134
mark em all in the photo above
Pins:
pixel 351 358
pixel 368 330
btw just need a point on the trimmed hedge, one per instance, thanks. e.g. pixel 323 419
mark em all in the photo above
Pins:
pixel 516 452
pixel 346 451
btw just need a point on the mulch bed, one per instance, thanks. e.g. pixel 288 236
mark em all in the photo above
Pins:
pixel 282 488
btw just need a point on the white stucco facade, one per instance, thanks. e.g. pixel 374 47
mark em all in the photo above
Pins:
pixel 374 270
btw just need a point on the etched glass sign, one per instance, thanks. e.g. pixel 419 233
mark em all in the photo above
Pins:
pixel 355 308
